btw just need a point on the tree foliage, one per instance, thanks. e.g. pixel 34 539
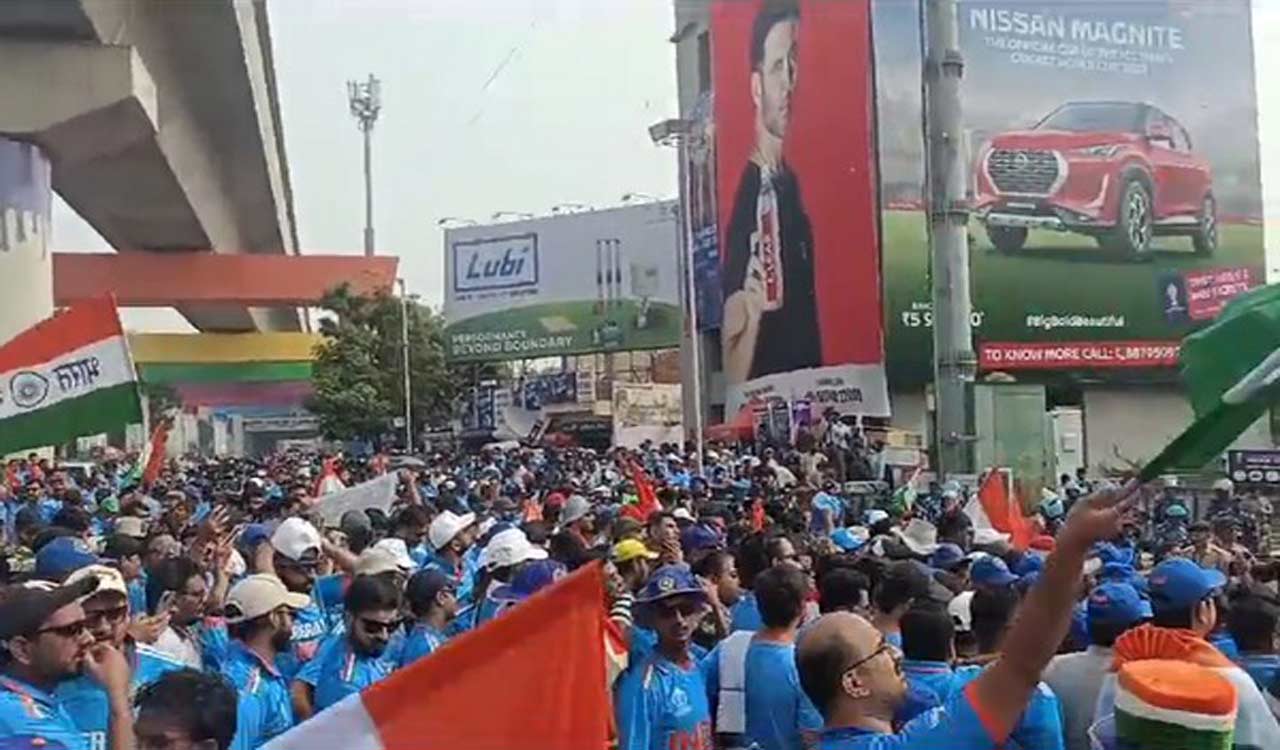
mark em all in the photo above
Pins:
pixel 358 370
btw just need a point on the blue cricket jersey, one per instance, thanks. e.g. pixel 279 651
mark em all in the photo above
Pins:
pixel 745 614
pixel 86 701
pixel 1040 726
pixel 777 709
pixel 310 627
pixel 422 640
pixel 661 705
pixel 338 671
pixel 266 707
pixel 957 725
pixel 27 711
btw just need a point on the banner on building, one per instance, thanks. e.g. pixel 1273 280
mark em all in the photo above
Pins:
pixel 700 198
pixel 1115 179
pixel 797 205
pixel 647 411
pixel 577 283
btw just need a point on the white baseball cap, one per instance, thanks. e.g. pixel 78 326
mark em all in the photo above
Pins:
pixel 510 547
pixel 399 552
pixel 683 514
pixel 446 526
pixel 131 526
pixel 109 579
pixel 960 609
pixel 295 538
pixel 257 595
pixel 375 561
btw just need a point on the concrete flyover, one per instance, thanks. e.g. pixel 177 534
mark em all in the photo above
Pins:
pixel 158 122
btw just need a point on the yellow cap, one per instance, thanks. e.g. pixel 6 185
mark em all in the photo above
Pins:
pixel 630 549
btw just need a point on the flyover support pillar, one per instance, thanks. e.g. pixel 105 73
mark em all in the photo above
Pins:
pixel 26 265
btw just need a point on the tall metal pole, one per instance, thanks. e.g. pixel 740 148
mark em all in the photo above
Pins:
pixel 368 191
pixel 404 359
pixel 365 99
pixel 695 338
pixel 946 169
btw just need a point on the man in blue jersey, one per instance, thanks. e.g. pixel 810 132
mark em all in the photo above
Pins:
pixel 661 700
pixel 44 641
pixel 433 605
pixel 106 614
pixel 259 614
pixel 451 535
pixel 186 710
pixel 297 547
pixel 928 649
pixel 356 658
pixel 752 682
pixel 854 675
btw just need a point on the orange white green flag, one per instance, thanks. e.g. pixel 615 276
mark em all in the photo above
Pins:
pixel 67 376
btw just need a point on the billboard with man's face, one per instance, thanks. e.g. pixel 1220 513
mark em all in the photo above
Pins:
pixel 1114 181
pixel 594 281
pixel 797 206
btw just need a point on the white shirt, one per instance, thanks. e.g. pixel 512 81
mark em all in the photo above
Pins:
pixel 1077 680
pixel 179 648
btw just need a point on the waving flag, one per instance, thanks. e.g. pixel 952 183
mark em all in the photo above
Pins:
pixel 67 376
pixel 1232 373
pixel 495 687
pixel 646 497
pixel 996 507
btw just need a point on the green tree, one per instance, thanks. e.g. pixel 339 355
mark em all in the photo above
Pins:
pixel 358 371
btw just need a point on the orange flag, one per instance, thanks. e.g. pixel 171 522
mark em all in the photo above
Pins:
pixel 533 678
pixel 999 506
pixel 156 452
pixel 647 503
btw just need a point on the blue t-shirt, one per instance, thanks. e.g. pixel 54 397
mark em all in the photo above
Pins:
pixel 829 506
pixel 310 627
pixel 1223 641
pixel 1263 668
pixel 422 640
pixel 328 594
pixel 661 705
pixel 930 679
pixel 1039 727
pixel 957 725
pixel 87 702
pixel 777 708
pixel 137 589
pixel 745 614
pixel 26 711
pixel 338 671
pixel 48 508
pixel 266 707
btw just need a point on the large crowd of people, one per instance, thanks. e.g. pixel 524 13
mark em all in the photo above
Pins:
pixel 763 603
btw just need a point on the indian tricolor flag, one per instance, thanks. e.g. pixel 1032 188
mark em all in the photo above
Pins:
pixel 67 376
pixel 533 678
pixel 1232 373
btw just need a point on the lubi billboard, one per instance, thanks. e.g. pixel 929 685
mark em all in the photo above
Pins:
pixel 572 284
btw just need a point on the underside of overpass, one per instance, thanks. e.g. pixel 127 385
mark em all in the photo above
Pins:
pixel 160 126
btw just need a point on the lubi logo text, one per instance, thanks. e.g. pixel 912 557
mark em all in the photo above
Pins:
pixel 495 263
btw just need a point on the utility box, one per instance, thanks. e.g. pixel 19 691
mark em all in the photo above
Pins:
pixel 1066 442
pixel 1012 431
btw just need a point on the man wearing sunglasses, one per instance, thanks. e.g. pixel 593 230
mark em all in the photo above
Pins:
pixel 106 614
pixel 661 700
pixel 44 641
pixel 854 675
pixel 351 661
pixel 259 615
pixel 296 551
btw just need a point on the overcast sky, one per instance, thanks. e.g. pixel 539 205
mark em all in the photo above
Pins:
pixel 497 105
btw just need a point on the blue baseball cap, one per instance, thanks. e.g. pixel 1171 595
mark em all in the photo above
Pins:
pixel 673 579
pixel 699 537
pixel 1027 564
pixel 62 556
pixel 532 577
pixel 846 540
pixel 1178 583
pixel 1116 603
pixel 947 556
pixel 1123 573
pixel 990 570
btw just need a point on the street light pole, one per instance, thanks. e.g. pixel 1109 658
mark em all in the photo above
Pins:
pixel 365 98
pixel 404 359
pixel 945 166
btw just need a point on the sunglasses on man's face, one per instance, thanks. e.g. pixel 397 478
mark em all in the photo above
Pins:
pixel 70 630
pixel 378 627
pixel 93 618
pixel 885 646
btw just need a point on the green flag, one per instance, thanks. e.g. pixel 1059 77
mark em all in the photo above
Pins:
pixel 1231 369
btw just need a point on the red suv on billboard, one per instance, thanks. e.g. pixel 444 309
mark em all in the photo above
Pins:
pixel 1120 172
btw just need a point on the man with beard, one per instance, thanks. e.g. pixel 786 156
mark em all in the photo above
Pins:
pixel 661 700
pixel 106 614
pixel 353 660
pixel 44 641
pixel 770 310
pixel 296 549
pixel 259 613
